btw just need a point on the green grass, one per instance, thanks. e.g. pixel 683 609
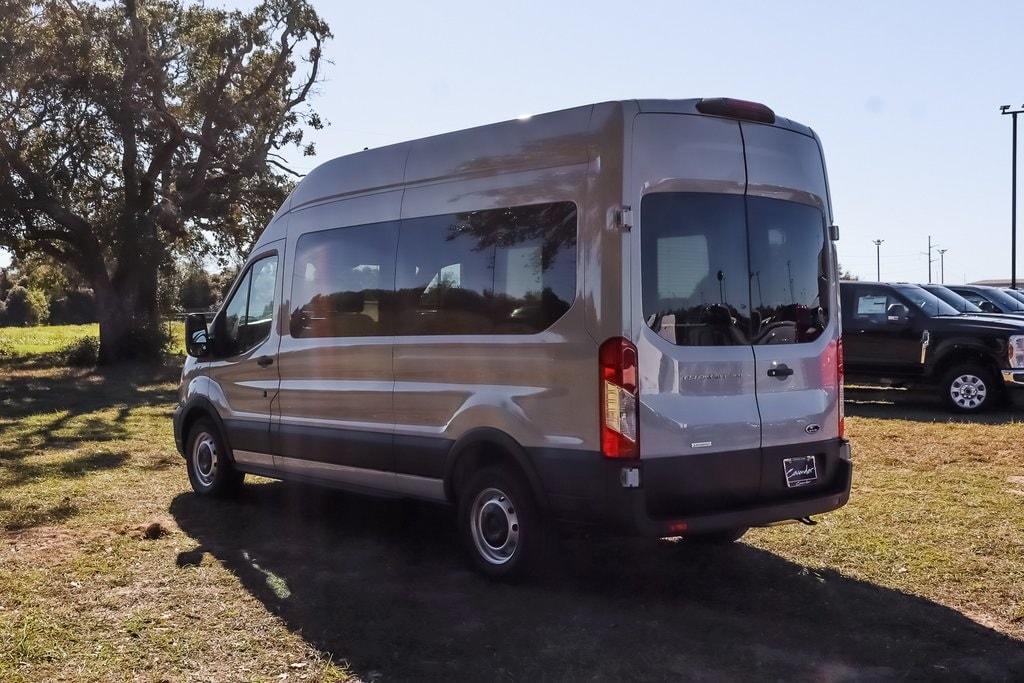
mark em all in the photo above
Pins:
pixel 919 576
pixel 43 341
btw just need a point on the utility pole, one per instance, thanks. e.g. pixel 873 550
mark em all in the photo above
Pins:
pixel 1005 109
pixel 878 259
pixel 929 259
pixel 942 266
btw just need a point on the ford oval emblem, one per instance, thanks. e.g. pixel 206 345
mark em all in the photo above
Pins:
pixel 812 429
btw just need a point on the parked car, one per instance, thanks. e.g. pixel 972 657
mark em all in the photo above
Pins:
pixel 952 298
pixel 543 321
pixel 902 334
pixel 963 305
pixel 989 299
pixel 1015 293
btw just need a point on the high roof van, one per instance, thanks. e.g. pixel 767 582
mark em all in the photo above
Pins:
pixel 623 315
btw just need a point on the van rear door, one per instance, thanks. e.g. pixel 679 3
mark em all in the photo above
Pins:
pixel 793 288
pixel 795 320
pixel 736 323
pixel 700 431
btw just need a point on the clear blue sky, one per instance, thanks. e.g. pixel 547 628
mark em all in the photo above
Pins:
pixel 904 95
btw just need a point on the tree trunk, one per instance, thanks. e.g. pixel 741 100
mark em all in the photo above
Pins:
pixel 129 316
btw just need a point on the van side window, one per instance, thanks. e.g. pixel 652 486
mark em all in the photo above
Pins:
pixel 249 313
pixel 343 282
pixel 694 273
pixel 498 271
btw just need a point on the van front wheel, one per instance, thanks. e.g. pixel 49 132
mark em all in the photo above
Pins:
pixel 209 469
pixel 500 524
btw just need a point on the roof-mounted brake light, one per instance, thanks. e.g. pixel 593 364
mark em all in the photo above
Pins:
pixel 736 109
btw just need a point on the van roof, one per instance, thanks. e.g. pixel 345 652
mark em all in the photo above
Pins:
pixel 551 139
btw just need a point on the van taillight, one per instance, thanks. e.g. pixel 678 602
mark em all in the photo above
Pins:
pixel 736 109
pixel 619 399
pixel 832 376
pixel 841 380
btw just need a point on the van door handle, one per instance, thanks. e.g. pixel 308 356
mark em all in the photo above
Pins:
pixel 264 361
pixel 782 372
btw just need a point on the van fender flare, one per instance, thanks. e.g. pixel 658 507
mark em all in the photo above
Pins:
pixel 195 407
pixel 494 438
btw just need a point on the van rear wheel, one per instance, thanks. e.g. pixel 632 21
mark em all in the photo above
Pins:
pixel 209 469
pixel 724 537
pixel 500 524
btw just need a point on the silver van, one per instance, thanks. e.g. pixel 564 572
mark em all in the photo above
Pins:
pixel 623 315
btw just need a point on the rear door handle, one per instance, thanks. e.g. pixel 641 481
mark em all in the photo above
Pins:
pixel 782 371
pixel 264 361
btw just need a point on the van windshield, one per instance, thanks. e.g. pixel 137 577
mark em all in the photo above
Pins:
pixel 722 270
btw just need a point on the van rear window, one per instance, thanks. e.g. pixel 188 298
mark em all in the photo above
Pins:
pixel 694 263
pixel 722 270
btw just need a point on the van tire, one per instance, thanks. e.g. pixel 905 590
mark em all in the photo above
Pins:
pixel 210 470
pixel 970 388
pixel 724 537
pixel 496 509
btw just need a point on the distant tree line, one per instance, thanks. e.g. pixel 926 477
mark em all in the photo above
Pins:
pixel 38 291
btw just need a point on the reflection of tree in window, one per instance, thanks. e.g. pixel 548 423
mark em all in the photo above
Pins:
pixel 504 271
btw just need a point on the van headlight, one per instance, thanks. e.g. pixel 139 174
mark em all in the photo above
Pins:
pixel 1015 351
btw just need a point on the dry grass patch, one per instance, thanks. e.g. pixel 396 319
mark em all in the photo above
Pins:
pixel 920 576
pixel 87 463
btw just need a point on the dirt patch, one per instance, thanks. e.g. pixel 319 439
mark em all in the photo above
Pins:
pixel 46 540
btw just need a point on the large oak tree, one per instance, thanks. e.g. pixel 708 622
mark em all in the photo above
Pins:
pixel 130 130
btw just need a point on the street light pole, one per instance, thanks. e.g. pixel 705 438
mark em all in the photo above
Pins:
pixel 1005 109
pixel 878 259
pixel 942 266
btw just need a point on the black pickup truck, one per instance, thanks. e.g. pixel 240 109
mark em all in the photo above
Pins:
pixel 902 334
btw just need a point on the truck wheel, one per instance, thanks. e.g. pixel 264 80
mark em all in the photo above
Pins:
pixel 500 524
pixel 209 469
pixel 969 388
pixel 718 537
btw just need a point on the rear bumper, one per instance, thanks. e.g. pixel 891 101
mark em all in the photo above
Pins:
pixel 598 497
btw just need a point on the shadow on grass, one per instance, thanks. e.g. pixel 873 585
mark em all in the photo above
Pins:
pixel 40 411
pixel 68 398
pixel 921 405
pixel 78 466
pixel 382 586
pixel 33 514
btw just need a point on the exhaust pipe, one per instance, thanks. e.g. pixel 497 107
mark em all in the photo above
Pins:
pixel 801 520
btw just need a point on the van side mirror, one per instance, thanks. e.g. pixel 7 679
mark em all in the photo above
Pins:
pixel 833 232
pixel 988 307
pixel 197 337
pixel 897 313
